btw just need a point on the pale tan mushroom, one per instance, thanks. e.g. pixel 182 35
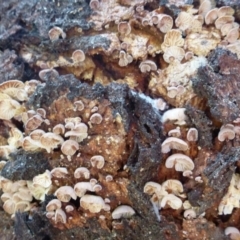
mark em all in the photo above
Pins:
pixel 46 73
pixel 55 32
pixel 205 7
pixel 232 232
pixel 82 172
pixel 225 11
pixel 176 114
pixel 94 4
pixel 65 193
pixel 173 53
pixel 211 16
pixel 165 23
pixel 124 28
pixel 59 172
pixel 97 161
pixel 53 205
pixel 175 132
pixel 78 133
pixel 192 135
pixel 152 187
pixel 69 208
pixel 173 186
pixel 79 105
pixel 69 147
pixel 92 203
pixel 51 141
pixel 9 108
pixel 124 59
pixel 172 38
pixel 226 132
pixel 172 201
pixel 123 211
pixel 33 122
pixel 180 161
pixel 9 206
pixel 43 180
pixel 183 21
pixel 223 20
pixel 174 143
pixel 232 35
pixel 190 214
pixel 78 56
pixel 60 216
pixel 59 129
pixel 81 188
pixel 147 66
pixel 96 118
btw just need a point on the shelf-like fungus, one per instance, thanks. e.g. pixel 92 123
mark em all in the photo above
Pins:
pixel 123 211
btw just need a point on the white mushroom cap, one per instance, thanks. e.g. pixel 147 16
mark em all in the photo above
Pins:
pixel 92 203
pixel 174 143
pixel 55 32
pixel 189 214
pixel 152 187
pixel 123 211
pixel 225 11
pixel 60 216
pixel 78 56
pixel 173 186
pixel 96 118
pixel 81 188
pixel 147 66
pixel 232 232
pixel 69 147
pixel 59 172
pixel 173 53
pixel 50 141
pixel 211 16
pixel 69 208
pixel 192 135
pixel 226 132
pixel 124 28
pixel 59 129
pixel 97 161
pixel 165 23
pixel 43 180
pixel 65 193
pixel 176 114
pixel 175 132
pixel 171 200
pixel 9 206
pixel 205 7
pixel 82 172
pixel 53 205
pixel 180 161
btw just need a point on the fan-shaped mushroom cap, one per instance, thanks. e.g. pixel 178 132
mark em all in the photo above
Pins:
pixel 9 108
pixel 51 141
pixel 223 20
pixel 232 35
pixel 33 122
pixel 37 191
pixel 211 16
pixel 55 32
pixel 36 134
pixel 92 203
pixel 173 186
pixel 69 147
pixel 42 112
pixel 123 211
pixel 232 232
pixel 174 132
pixel 5 196
pixel 173 53
pixel 65 193
pixel 152 187
pixel 188 55
pixel 183 21
pixel 205 7
pixel 79 132
pixel 81 188
pixel 43 180
pixel 79 105
pixel 189 214
pixel 165 23
pixel 174 143
pixel 53 205
pixel 94 4
pixel 82 172
pixel 172 38
pixel 97 161
pixel 176 114
pixel 180 161
pixel 96 118
pixel 226 132
pixel 60 216
pixel 9 206
pixel 23 194
pixel 59 172
pixel 124 59
pixel 78 56
pixel 172 92
pixel 69 208
pixel 172 201
pixel 147 66
pixel 225 11
pixel 192 134
pixel 124 28
pixel 16 136
pixel 31 145
pixel 59 129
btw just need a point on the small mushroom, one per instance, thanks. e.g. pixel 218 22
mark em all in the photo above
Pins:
pixel 180 161
pixel 147 66
pixel 81 188
pixel 211 16
pixel 232 232
pixel 78 56
pixel 124 59
pixel 59 129
pixel 92 203
pixel 232 35
pixel 174 143
pixel 124 28
pixel 226 132
pixel 96 118
pixel 79 105
pixel 123 211
pixel 65 193
pixel 43 180
pixel 189 214
pixel 53 205
pixel 152 187
pixel 173 53
pixel 55 32
pixel 223 20
pixel 59 172
pixel 225 11
pixel 60 216
pixel 165 23
pixel 176 114
pixel 69 147
pixel 94 4
pixel 33 122
pixel 51 141
pixel 69 208
pixel 192 135
pixel 172 201
pixel 205 7
pixel 173 186
pixel 82 172
pixel 97 161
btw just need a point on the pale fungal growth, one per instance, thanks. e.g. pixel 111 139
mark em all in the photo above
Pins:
pixel 78 132
pixel 124 28
pixel 232 232
pixel 50 141
pixel 59 172
pixel 29 144
pixel 33 122
pixel 211 16
pixel 65 193
pixel 174 143
pixel 188 55
pixel 55 33
pixel 188 173
pixel 192 135
pixel 69 208
pixel 159 104
pixel 199 179
pixel 109 178
pixel 172 201
pixel 96 118
pixel 123 211
pixel 69 147
pixel 165 23
pixel 190 214
pixel 9 206
pixel 59 129
pixel 9 108
pixel 232 35
pixel 92 203
pixel 94 4
pixel 78 56
pixel 180 161
pixel 42 112
pixel 97 161
pixel 60 216
pixel 82 172
pixel 81 188
pixel 43 180
pixel 226 133
pixel 173 53
pixel 53 205
pixel 78 105
pixel 176 114
pixel 93 181
pixel 223 20
pixel 97 188
pixel 45 73
pixel 225 11
pixel 16 137
pixel 172 92
pixel 205 7
pixel 175 132
pixel 147 66
pixel 173 186
pixel 151 188
pixel 124 59
pixel 172 38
